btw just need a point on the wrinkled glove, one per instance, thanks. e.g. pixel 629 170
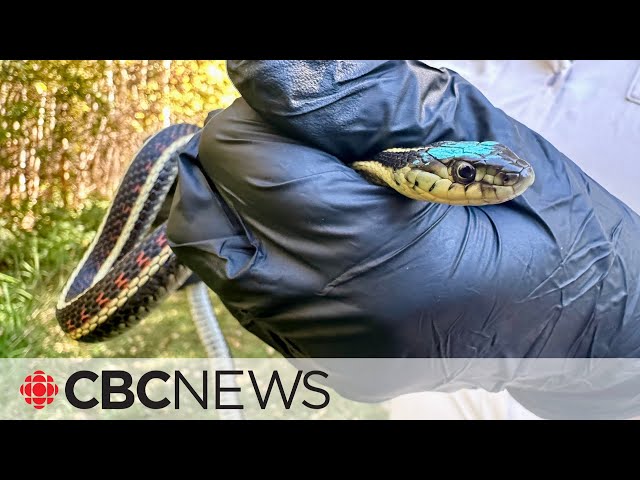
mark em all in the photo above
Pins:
pixel 318 262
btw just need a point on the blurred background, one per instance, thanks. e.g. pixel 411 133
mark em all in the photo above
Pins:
pixel 68 130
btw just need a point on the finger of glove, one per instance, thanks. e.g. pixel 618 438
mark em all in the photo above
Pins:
pixel 220 242
pixel 353 109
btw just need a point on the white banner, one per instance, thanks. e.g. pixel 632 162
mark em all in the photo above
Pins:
pixel 171 388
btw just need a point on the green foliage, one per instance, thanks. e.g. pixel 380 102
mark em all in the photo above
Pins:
pixel 69 128
pixel 35 261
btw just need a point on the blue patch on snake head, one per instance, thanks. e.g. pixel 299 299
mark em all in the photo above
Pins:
pixel 446 150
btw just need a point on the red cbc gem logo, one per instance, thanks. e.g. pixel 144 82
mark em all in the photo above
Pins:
pixel 39 389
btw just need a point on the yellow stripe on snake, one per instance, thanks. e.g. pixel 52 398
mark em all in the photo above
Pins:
pixel 127 270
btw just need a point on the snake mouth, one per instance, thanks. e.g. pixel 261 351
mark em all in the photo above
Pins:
pixel 527 177
pixel 489 189
pixel 432 188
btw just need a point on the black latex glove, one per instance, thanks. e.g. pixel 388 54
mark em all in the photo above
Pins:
pixel 318 262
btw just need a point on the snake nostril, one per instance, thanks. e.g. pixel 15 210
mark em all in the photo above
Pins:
pixel 510 178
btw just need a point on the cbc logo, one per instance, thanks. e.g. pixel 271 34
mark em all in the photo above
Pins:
pixel 39 389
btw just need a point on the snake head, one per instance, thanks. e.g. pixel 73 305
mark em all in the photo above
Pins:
pixel 455 173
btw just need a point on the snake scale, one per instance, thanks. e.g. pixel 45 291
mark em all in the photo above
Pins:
pixel 129 266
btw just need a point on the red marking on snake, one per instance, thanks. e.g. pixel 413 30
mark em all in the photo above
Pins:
pixel 161 240
pixel 126 208
pixel 148 165
pixel 121 282
pixel 137 187
pixel 84 317
pixel 142 260
pixel 116 226
pixel 101 300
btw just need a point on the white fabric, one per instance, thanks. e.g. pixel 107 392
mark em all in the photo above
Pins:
pixel 460 405
pixel 590 111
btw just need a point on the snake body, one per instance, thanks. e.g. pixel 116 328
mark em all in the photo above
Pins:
pixel 129 267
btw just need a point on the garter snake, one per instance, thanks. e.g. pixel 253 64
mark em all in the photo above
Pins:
pixel 126 269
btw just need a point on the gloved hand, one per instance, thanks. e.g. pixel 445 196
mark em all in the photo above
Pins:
pixel 318 262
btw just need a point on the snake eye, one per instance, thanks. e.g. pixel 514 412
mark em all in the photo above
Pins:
pixel 465 172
